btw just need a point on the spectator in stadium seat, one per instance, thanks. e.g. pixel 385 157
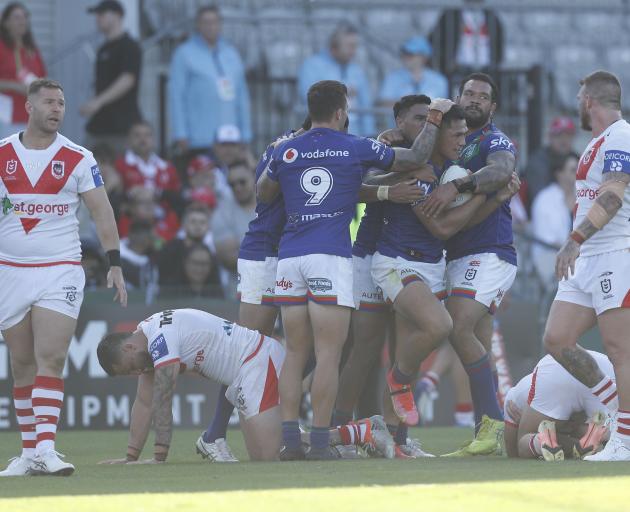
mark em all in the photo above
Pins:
pixel 137 254
pixel 207 86
pixel 552 215
pixel 114 108
pixel 94 265
pixel 142 206
pixel 20 64
pixel 467 40
pixel 203 182
pixel 538 171
pixel 196 230
pixel 337 63
pixel 414 77
pixel 105 157
pixel 200 276
pixel 140 166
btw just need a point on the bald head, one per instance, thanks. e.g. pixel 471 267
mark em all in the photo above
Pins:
pixel 603 87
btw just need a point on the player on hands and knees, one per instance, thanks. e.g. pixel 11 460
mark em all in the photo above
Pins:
pixel 319 174
pixel 545 412
pixel 594 263
pixel 481 260
pixel 43 176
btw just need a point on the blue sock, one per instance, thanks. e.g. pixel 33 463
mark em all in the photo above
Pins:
pixel 291 435
pixel 482 390
pixel 320 438
pixel 401 434
pixel 392 430
pixel 218 428
pixel 495 379
pixel 400 377
pixel 341 418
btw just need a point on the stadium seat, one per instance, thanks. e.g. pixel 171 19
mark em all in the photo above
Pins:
pixel 395 27
pixel 618 62
pixel 546 26
pixel 571 63
pixel 425 20
pixel 522 56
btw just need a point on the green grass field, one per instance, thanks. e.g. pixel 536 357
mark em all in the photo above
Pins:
pixel 186 483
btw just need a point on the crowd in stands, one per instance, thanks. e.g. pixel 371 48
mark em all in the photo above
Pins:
pixel 181 221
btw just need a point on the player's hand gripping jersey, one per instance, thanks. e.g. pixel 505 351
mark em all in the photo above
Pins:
pixel 39 198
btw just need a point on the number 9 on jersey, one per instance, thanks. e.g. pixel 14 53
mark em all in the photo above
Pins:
pixel 317 183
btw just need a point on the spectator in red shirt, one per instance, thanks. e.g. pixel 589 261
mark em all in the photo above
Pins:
pixel 20 64
pixel 140 166
pixel 142 206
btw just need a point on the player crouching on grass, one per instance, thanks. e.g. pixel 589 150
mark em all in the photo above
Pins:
pixel 173 341
pixel 545 412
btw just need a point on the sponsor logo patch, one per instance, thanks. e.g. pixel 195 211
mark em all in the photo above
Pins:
pixel 11 166
pixel 319 284
pixel 470 274
pixel 96 176
pixel 290 155
pixel 606 285
pixel 58 169
pixel 158 348
pixel 284 284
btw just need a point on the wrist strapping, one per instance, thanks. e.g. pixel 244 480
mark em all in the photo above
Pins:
pixel 382 193
pixel 435 117
pixel 578 237
pixel 113 258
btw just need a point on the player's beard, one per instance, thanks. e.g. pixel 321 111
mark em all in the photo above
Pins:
pixel 585 119
pixel 476 118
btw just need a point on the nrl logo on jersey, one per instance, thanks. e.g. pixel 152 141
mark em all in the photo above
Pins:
pixel 11 166
pixel 58 169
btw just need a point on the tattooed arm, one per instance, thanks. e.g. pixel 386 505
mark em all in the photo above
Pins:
pixel 494 176
pixel 164 380
pixel 606 206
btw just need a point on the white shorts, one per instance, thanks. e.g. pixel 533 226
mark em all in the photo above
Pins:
pixel 518 396
pixel 322 278
pixel 600 282
pixel 557 394
pixel 256 281
pixel 58 287
pixel 393 274
pixel 255 388
pixel 481 277
pixel 367 295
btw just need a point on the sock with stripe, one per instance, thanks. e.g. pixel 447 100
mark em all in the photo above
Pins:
pixel 482 390
pixel 218 428
pixel 464 413
pixel 341 418
pixel 26 419
pixel 47 400
pixel 606 392
pixel 291 435
pixel 353 433
pixel 400 438
pixel 623 426
pixel 429 382
pixel 320 438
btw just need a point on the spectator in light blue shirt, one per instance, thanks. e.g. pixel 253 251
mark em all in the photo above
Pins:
pixel 414 77
pixel 336 63
pixel 207 86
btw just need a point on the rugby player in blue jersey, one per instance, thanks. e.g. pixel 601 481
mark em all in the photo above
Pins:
pixel 481 260
pixel 320 175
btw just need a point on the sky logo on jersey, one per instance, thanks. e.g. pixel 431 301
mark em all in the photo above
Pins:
pixel 96 176
pixel 501 142
pixel 290 155
pixel 158 348
pixel 616 161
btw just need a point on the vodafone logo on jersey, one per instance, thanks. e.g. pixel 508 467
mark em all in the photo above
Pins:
pixel 290 155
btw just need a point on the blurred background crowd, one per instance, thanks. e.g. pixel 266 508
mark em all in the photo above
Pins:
pixel 177 99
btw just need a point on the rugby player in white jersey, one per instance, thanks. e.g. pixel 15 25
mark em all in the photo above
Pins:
pixel 43 176
pixel 247 362
pixel 544 413
pixel 594 263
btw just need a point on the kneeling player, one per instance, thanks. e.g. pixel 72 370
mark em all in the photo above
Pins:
pixel 541 410
pixel 245 361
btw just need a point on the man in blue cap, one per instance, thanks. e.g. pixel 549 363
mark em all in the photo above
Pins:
pixel 414 77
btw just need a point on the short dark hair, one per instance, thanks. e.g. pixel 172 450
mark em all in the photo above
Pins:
pixel 140 122
pixel 344 28
pixel 406 102
pixel 196 208
pixel 109 349
pixel 325 98
pixel 604 87
pixel 455 113
pixel 306 125
pixel 28 40
pixel 481 77
pixel 557 162
pixel 43 83
pixel 207 8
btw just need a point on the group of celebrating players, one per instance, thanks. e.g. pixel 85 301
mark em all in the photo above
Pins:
pixel 433 251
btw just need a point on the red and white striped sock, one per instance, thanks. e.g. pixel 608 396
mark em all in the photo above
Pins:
pixel 432 380
pixel 47 403
pixel 623 426
pixel 353 433
pixel 606 392
pixel 25 418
